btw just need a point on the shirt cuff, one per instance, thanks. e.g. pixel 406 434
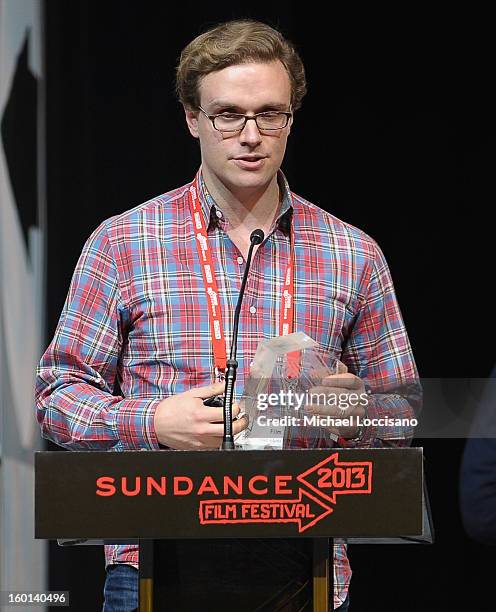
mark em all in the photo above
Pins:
pixel 134 421
pixel 389 421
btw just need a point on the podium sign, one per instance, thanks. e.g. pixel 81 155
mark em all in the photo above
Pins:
pixel 237 494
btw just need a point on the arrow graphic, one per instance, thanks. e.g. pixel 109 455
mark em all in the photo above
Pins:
pixel 332 477
pixel 306 511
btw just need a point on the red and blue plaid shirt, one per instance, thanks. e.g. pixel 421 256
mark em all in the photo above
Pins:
pixel 135 327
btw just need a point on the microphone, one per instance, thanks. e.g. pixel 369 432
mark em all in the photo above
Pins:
pixel 256 237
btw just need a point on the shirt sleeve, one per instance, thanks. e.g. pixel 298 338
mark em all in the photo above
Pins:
pixel 378 351
pixel 75 404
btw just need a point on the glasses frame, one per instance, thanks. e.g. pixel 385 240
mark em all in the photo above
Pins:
pixel 212 118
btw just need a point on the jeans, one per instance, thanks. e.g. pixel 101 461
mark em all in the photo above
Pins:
pixel 121 589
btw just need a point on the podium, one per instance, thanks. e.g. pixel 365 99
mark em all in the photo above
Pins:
pixel 161 499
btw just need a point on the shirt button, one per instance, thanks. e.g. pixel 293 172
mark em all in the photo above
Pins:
pixel 240 260
pixel 253 310
pixel 219 214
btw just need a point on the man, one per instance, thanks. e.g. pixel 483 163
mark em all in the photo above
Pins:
pixel 138 312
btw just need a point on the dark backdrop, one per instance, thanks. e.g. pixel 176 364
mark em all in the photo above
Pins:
pixel 391 138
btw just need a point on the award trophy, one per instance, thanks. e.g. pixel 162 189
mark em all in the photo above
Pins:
pixel 282 373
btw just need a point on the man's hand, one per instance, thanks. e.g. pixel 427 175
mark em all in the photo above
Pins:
pixel 183 422
pixel 343 397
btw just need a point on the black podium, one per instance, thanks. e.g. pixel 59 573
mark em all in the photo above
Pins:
pixel 179 504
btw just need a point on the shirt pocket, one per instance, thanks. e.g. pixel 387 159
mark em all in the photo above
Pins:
pixel 326 319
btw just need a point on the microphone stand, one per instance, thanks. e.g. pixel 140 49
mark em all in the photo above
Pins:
pixel 256 237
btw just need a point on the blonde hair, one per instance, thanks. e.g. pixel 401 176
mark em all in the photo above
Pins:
pixel 236 42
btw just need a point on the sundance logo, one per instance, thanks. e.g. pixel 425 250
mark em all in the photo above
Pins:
pixel 304 499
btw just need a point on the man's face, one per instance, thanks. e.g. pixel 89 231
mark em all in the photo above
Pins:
pixel 247 89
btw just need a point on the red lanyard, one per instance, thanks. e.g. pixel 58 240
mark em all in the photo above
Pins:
pixel 212 291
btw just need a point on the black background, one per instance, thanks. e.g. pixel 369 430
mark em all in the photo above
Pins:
pixel 392 137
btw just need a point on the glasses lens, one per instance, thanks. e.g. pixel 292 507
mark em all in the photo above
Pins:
pixel 272 121
pixel 227 123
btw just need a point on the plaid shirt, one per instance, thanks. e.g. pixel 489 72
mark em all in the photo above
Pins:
pixel 135 328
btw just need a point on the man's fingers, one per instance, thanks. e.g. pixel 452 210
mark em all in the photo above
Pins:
pixel 211 414
pixel 343 381
pixel 326 394
pixel 239 425
pixel 208 391
pixel 216 430
pixel 318 395
pixel 214 414
pixel 341 368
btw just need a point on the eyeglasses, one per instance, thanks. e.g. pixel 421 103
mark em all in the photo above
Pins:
pixel 235 122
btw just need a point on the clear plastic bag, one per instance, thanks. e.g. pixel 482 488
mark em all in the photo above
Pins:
pixel 273 398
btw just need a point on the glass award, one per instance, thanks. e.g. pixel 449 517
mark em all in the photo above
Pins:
pixel 282 373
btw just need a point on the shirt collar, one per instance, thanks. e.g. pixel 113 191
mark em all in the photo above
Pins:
pixel 213 213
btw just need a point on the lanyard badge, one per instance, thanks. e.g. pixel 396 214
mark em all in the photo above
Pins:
pixel 212 291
